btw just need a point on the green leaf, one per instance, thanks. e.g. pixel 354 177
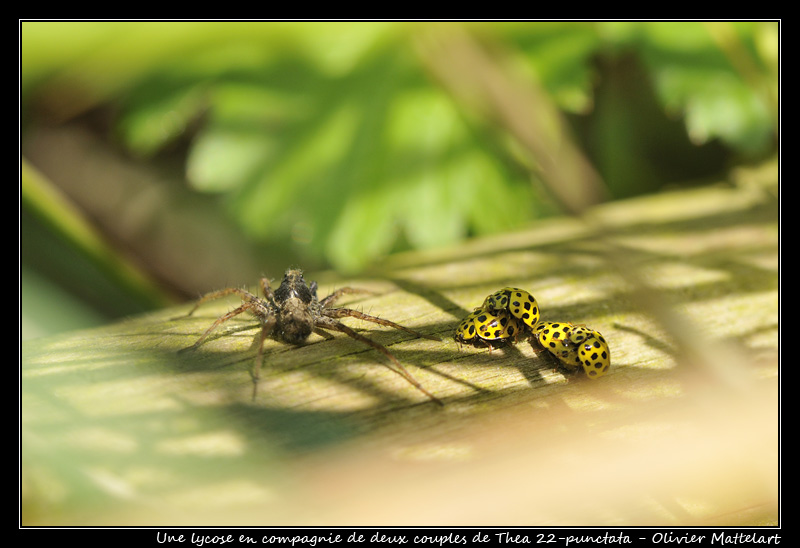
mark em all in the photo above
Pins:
pixel 148 128
pixel 693 75
pixel 300 125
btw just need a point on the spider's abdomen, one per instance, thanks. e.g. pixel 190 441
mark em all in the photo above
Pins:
pixel 295 321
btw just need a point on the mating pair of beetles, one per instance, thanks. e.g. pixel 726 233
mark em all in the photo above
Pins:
pixel 511 314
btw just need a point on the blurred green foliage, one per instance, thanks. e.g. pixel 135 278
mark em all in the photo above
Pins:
pixel 332 140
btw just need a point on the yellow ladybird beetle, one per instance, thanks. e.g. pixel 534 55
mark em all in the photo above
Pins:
pixel 487 327
pixel 575 345
pixel 518 302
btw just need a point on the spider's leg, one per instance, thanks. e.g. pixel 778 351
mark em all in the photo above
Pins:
pixel 244 295
pixel 329 323
pixel 267 290
pixel 323 333
pixel 333 297
pixel 250 305
pixel 266 328
pixel 344 312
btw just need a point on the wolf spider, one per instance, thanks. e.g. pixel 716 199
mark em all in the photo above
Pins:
pixel 293 311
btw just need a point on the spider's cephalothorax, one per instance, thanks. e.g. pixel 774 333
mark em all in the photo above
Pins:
pixel 293 312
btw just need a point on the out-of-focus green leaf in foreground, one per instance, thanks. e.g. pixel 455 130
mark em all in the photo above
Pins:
pixel 73 246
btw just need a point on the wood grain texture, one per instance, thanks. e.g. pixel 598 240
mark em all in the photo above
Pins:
pixel 120 428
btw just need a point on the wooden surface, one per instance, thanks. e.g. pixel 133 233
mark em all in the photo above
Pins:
pixel 118 428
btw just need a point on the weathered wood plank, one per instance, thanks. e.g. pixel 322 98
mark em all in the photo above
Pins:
pixel 120 428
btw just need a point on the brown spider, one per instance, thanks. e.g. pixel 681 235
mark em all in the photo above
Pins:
pixel 293 311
